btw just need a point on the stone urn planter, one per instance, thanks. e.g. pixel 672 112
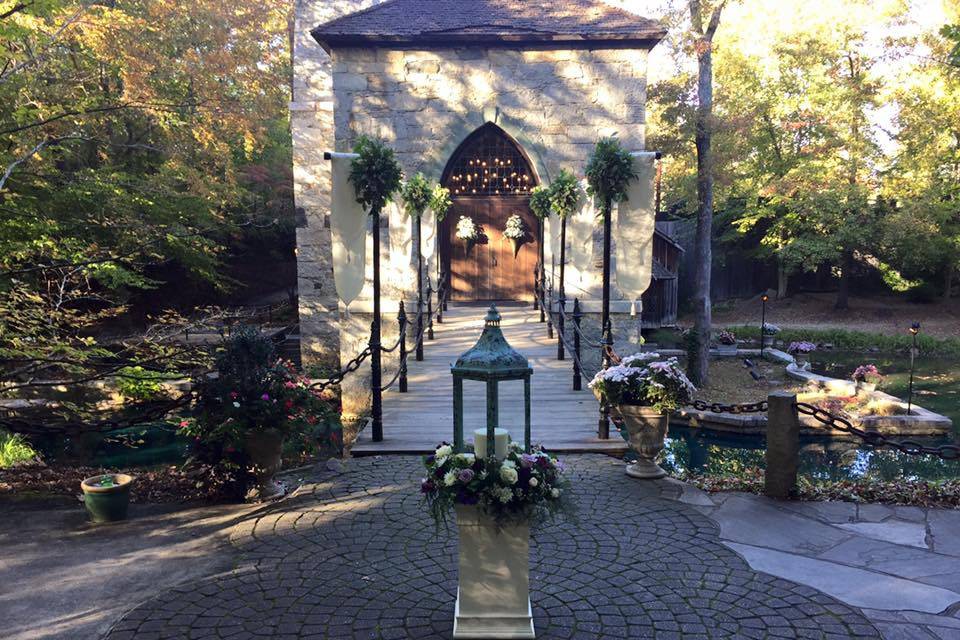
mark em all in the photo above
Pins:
pixel 726 350
pixel 107 496
pixel 264 447
pixel 768 341
pixel 493 594
pixel 647 429
pixel 865 388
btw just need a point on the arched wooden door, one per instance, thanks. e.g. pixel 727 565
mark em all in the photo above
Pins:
pixel 490 179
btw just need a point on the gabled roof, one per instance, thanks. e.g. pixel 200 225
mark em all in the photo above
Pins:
pixel 490 22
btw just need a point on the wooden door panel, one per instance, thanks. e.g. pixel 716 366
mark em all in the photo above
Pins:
pixel 491 271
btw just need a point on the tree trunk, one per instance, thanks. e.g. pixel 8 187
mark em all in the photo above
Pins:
pixel 783 279
pixel 948 282
pixel 699 358
pixel 843 292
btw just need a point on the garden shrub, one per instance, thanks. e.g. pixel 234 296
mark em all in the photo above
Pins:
pixel 14 450
pixel 848 340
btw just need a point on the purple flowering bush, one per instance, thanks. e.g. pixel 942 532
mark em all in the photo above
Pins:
pixel 867 373
pixel 801 347
pixel 644 380
pixel 521 487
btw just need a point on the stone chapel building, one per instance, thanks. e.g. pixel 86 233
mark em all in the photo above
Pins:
pixel 524 87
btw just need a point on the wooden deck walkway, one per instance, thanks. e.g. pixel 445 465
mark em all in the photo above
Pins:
pixel 563 420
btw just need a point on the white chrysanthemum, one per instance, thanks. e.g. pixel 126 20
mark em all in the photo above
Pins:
pixel 444 451
pixel 449 478
pixel 469 458
pixel 555 493
pixel 508 475
pixel 503 494
pixel 509 464
pixel 534 482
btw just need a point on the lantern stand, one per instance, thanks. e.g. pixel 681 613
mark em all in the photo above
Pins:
pixel 491 360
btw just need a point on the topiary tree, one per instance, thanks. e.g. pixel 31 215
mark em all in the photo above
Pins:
pixel 375 175
pixel 440 202
pixel 416 196
pixel 540 202
pixel 609 170
pixel 564 194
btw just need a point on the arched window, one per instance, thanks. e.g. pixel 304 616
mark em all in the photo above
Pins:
pixel 488 163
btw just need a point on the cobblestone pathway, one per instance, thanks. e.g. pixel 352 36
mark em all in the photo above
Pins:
pixel 354 556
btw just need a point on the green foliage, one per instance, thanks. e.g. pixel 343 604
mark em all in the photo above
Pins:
pixel 14 450
pixel 252 391
pixel 540 202
pixel 375 175
pixel 609 170
pixel 564 194
pixel 138 383
pixel 416 195
pixel 440 202
pixel 845 339
pixel 952 33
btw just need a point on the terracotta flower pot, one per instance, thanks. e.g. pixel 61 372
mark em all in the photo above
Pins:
pixel 648 430
pixel 493 594
pixel 264 447
pixel 110 502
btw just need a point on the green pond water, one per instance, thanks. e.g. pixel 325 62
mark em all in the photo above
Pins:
pixel 936 387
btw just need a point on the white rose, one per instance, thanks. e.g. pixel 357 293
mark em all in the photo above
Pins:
pixel 449 478
pixel 534 482
pixel 508 475
pixel 555 493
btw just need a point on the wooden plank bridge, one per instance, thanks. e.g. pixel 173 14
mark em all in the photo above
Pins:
pixel 416 421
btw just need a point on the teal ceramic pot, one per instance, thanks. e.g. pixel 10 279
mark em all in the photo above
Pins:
pixel 107 501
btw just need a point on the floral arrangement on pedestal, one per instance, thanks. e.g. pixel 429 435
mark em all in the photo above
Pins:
pixel 800 349
pixel 515 229
pixel 467 231
pixel 867 377
pixel 642 391
pixel 522 487
pixel 769 329
pixel 727 338
pixel 645 380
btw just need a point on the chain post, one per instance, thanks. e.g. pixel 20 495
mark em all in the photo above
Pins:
pixel 543 280
pixel 562 308
pixel 402 322
pixel 536 287
pixel 418 354
pixel 429 309
pixel 441 291
pixel 603 425
pixel 549 302
pixel 446 291
pixel 577 317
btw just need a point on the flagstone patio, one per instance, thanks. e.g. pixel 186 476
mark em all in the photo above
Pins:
pixel 355 556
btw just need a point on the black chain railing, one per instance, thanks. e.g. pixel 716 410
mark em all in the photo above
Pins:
pixel 424 328
pixel 719 407
pixel 874 438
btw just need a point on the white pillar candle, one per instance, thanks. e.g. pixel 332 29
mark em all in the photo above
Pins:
pixel 501 438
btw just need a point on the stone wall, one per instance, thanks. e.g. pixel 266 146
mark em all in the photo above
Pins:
pixel 555 103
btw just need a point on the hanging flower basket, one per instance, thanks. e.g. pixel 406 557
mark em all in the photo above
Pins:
pixel 516 230
pixel 467 232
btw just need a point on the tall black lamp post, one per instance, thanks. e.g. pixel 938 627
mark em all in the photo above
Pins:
pixel 914 331
pixel 763 322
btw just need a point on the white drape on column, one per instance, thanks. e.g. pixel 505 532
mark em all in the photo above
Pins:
pixel 580 226
pixel 428 246
pixel 401 264
pixel 348 227
pixel 635 225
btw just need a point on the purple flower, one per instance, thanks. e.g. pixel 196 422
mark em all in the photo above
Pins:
pixel 427 486
pixel 265 396
pixel 463 497
pixel 466 475
pixel 431 459
pixel 527 460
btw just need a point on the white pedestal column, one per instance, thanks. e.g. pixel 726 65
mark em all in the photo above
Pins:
pixel 493 597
